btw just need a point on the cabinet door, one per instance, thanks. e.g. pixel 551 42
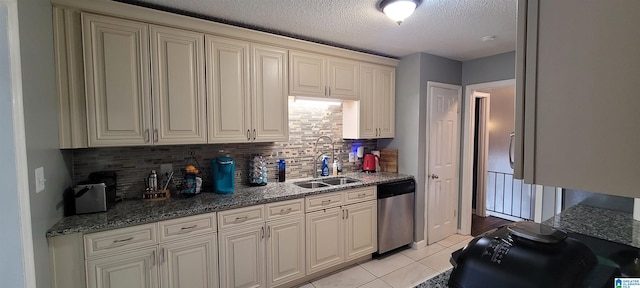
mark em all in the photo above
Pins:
pixel 178 90
pixel 361 229
pixel 308 74
pixel 228 104
pixel 270 100
pixel 242 257
pixel 580 110
pixel 325 239
pixel 285 250
pixel 385 102
pixel 136 269
pixel 343 79
pixel 190 263
pixel 116 59
pixel 368 125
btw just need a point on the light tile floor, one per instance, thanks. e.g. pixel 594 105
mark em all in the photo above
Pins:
pixel 404 269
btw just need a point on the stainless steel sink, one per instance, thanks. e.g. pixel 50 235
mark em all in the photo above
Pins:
pixel 319 183
pixel 311 184
pixel 339 180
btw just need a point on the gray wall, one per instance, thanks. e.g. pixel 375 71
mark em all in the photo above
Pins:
pixel 502 121
pixel 41 125
pixel 11 265
pixel 412 74
pixel 489 69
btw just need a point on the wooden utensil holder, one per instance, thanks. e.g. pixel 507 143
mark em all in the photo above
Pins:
pixel 159 195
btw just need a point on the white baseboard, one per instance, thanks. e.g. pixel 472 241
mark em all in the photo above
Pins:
pixel 504 216
pixel 419 244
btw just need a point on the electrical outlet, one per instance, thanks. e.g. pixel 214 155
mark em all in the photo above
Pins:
pixel 165 169
pixel 352 157
pixel 40 179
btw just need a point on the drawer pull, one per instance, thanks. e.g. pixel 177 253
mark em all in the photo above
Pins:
pixel 362 195
pixel 326 202
pixel 241 219
pixel 285 211
pixel 122 240
pixel 188 228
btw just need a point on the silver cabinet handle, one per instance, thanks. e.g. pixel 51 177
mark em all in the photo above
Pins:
pixel 329 91
pixel 248 135
pixel 362 195
pixel 268 232
pixel 153 259
pixel 122 240
pixel 262 232
pixel 512 151
pixel 254 134
pixel 325 91
pixel 285 211
pixel 155 135
pixel 162 256
pixel 326 202
pixel 146 136
pixel 241 219
pixel 347 210
pixel 186 229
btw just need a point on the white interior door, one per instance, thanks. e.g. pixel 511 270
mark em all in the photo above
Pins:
pixel 442 171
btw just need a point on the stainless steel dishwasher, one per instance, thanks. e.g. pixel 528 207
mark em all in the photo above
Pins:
pixel 395 214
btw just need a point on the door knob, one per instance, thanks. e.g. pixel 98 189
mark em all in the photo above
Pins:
pixel 434 176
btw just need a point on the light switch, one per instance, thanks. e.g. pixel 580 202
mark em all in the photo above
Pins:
pixel 40 179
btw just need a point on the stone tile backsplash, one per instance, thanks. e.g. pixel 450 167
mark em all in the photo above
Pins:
pixel 307 121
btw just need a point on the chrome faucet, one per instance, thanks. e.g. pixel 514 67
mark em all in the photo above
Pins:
pixel 316 157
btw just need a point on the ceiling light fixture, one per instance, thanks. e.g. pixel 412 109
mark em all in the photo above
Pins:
pixel 398 10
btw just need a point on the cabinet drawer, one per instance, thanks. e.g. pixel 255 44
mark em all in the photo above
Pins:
pixel 187 226
pixel 240 216
pixel 324 201
pixel 360 194
pixel 285 208
pixel 108 242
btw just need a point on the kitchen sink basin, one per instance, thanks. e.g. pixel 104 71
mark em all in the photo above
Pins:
pixel 311 184
pixel 339 180
pixel 319 183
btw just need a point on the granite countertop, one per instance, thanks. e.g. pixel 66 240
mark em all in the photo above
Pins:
pixel 601 223
pixel 134 212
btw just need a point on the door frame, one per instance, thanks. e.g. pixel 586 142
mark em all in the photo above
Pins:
pixel 427 139
pixel 483 150
pixel 466 179
pixel 19 153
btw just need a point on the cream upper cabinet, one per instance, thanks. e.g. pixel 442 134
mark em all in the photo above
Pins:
pixel 325 239
pixel 285 250
pixel 229 105
pixel 269 93
pixel 116 59
pixel 361 230
pixel 178 92
pixel 576 95
pixel 136 269
pixel 246 86
pixel 316 75
pixel 121 104
pixel 189 263
pixel 374 115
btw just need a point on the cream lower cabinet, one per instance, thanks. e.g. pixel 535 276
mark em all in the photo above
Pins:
pixel 325 239
pixel 190 263
pixel 341 231
pixel 374 115
pixel 181 253
pixel 135 269
pixel 262 246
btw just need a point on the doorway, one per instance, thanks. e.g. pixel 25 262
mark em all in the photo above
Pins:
pixel 487 174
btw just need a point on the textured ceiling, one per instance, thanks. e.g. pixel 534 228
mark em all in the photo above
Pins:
pixel 447 28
